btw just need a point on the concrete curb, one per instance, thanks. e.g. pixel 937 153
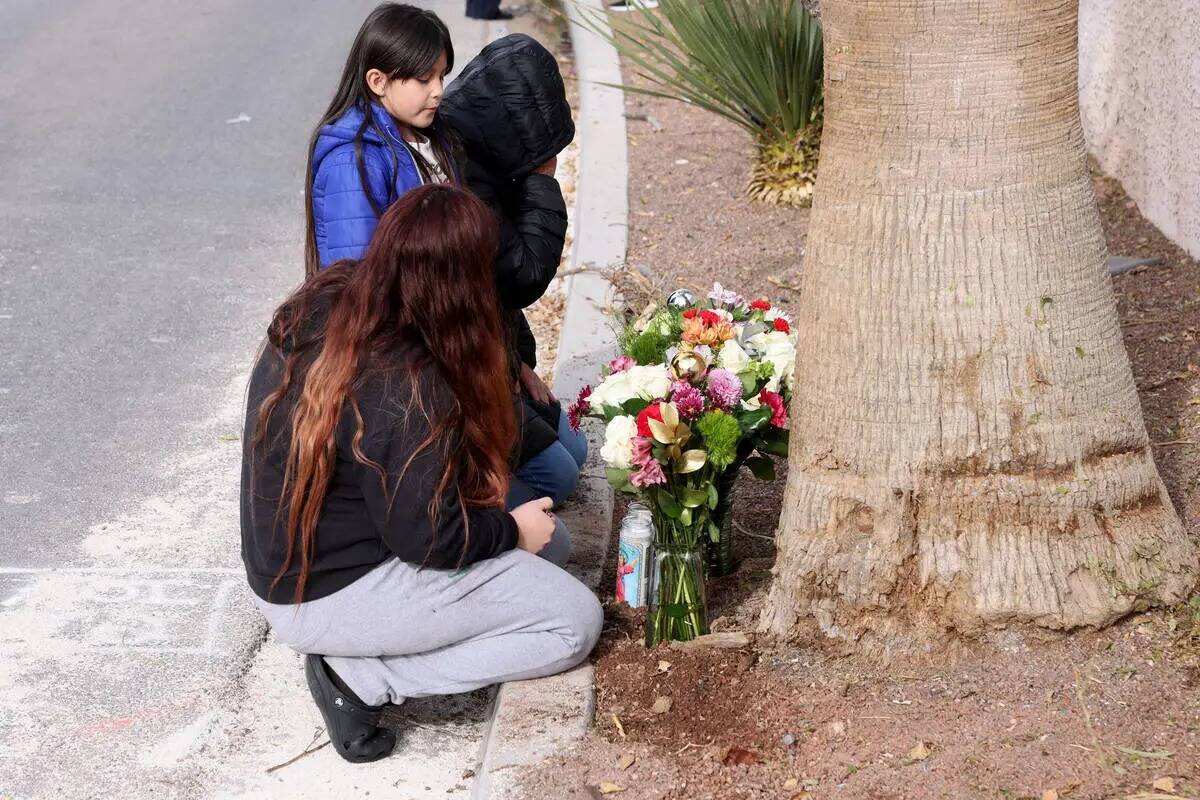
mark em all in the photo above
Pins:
pixel 534 719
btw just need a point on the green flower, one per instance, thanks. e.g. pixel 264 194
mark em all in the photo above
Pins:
pixel 649 346
pixel 721 434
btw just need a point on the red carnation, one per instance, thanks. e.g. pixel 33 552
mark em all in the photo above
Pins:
pixel 760 304
pixel 689 314
pixel 650 412
pixel 781 324
pixel 710 318
pixel 774 401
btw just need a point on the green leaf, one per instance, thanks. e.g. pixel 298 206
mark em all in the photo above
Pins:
pixel 610 413
pixel 685 516
pixel 749 383
pixel 669 504
pixel 774 441
pixel 763 468
pixel 676 610
pixel 634 407
pixel 751 421
pixel 714 499
pixel 714 532
pixel 692 498
pixel 619 480
pixel 616 476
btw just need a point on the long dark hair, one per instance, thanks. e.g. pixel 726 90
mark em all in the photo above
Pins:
pixel 426 284
pixel 402 42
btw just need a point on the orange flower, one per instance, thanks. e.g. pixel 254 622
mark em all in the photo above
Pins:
pixel 696 331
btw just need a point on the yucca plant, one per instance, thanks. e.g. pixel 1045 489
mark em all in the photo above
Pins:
pixel 757 63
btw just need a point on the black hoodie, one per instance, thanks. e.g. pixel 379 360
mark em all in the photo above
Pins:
pixel 509 109
pixel 365 521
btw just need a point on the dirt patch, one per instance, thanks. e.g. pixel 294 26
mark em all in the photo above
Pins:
pixel 1098 715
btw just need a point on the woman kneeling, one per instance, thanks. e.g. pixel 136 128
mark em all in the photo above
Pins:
pixel 379 434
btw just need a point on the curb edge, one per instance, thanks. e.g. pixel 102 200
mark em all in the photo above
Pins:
pixel 532 720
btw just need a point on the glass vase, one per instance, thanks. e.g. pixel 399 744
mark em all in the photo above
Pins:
pixel 718 554
pixel 677 608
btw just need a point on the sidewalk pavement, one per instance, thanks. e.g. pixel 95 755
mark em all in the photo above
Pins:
pixel 138 668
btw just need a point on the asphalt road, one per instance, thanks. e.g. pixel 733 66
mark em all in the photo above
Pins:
pixel 151 175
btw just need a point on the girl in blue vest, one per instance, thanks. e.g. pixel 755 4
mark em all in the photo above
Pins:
pixel 381 137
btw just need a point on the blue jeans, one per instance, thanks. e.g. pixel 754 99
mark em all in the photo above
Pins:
pixel 552 473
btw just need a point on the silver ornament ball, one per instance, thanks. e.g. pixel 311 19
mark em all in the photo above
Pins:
pixel 681 298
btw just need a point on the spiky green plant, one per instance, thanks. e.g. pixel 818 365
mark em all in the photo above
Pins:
pixel 756 63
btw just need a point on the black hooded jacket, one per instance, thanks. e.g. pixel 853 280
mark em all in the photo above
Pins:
pixel 509 109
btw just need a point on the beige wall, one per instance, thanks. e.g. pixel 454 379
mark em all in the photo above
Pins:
pixel 1139 93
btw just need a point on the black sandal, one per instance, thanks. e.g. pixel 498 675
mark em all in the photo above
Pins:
pixel 353 726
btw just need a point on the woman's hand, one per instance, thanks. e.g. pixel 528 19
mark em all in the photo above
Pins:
pixel 536 387
pixel 535 523
pixel 548 168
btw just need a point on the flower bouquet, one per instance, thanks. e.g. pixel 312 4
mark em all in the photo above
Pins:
pixel 700 389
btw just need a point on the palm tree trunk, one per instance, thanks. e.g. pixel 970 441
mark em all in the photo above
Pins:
pixel 968 451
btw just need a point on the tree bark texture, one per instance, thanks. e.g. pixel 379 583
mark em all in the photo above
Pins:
pixel 968 450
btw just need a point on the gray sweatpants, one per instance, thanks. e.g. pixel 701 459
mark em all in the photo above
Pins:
pixel 400 631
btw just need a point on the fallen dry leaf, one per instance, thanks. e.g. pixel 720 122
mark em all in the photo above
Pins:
pixel 617 723
pixel 661 705
pixel 664 666
pixel 920 752
pixel 791 783
pixel 1164 785
pixel 626 760
pixel 1050 794
pixel 610 788
pixel 1134 753
pixel 736 755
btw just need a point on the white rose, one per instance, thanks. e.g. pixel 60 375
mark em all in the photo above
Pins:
pixel 617 451
pixel 651 382
pixel 780 349
pixel 733 357
pixel 753 404
pixel 612 391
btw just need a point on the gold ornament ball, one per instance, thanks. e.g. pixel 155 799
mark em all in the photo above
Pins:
pixel 688 367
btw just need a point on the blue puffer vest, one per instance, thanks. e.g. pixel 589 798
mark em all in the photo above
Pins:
pixel 343 217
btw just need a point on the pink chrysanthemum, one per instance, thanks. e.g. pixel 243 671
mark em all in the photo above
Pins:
pixel 687 399
pixel 649 474
pixel 724 388
pixel 643 450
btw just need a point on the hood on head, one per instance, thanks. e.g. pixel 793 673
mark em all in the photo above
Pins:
pixel 509 107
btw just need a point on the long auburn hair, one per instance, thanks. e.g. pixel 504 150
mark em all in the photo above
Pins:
pixel 402 42
pixel 425 285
